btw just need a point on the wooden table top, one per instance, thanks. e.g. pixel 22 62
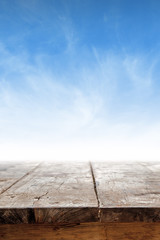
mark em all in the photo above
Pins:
pixel 79 192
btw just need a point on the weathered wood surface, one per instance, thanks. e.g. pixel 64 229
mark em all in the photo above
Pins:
pixel 78 192
pixel 84 231
pixel 128 192
pixel 10 173
pixel 51 193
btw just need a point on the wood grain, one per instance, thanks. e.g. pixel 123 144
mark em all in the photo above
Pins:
pixel 10 173
pixel 52 193
pixel 132 231
pixel 78 192
pixel 83 231
pixel 128 191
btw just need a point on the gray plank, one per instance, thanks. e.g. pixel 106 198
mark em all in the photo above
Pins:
pixel 54 192
pixel 128 191
pixel 11 172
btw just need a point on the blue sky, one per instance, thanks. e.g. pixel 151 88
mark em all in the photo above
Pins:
pixel 79 80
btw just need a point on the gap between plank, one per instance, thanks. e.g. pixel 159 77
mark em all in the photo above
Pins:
pixel 95 190
pixel 20 179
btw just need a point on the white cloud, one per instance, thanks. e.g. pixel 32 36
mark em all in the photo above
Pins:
pixel 140 72
pixel 43 117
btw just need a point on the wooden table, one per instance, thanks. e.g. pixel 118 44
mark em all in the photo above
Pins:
pixel 80 201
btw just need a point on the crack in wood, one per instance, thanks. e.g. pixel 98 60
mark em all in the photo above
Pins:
pixel 39 197
pixel 20 179
pixel 95 189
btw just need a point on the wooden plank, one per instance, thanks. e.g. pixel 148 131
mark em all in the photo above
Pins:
pixel 54 192
pixel 132 231
pixel 83 231
pixel 12 172
pixel 128 191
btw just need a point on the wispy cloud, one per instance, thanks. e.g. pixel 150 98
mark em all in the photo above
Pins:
pixel 92 116
pixel 78 81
